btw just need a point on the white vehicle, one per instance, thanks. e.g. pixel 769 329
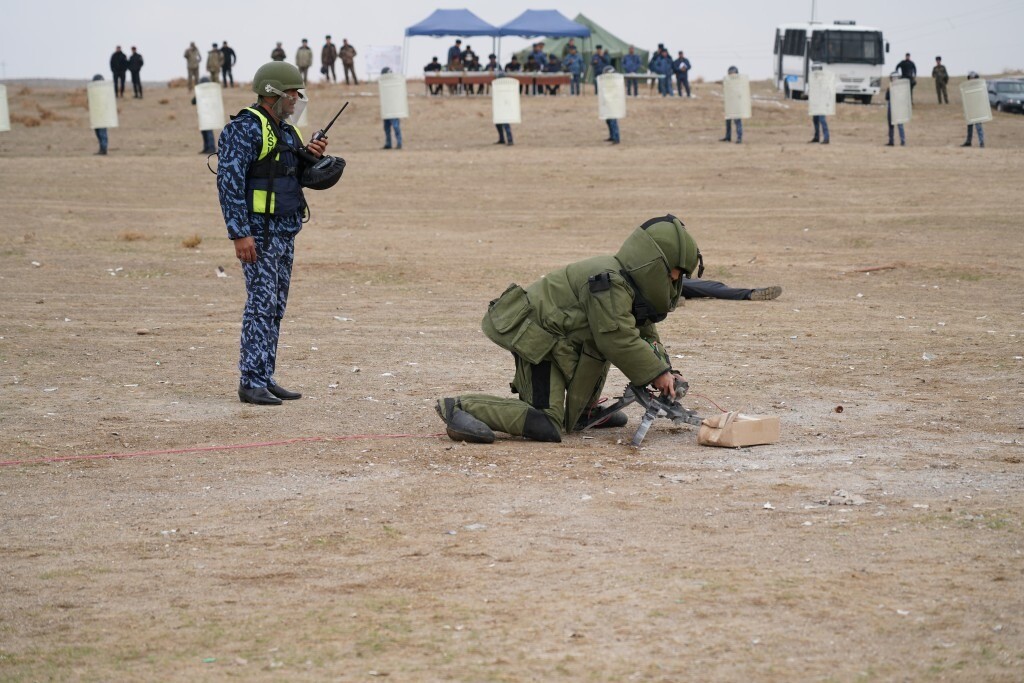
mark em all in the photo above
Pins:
pixel 855 53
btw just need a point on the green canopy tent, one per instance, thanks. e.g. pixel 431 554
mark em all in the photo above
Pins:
pixel 613 45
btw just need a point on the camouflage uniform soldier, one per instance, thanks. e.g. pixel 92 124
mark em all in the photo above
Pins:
pixel 569 327
pixel 258 179
pixel 941 77
pixel 214 61
pixel 193 59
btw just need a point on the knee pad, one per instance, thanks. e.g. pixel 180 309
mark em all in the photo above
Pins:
pixel 539 428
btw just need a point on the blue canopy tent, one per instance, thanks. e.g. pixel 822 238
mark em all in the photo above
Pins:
pixel 448 22
pixel 542 22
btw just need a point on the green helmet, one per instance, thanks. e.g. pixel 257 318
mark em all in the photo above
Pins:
pixel 274 78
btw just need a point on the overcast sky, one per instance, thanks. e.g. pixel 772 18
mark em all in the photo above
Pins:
pixel 74 38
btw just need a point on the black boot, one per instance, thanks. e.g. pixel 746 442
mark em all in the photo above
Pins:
pixel 598 418
pixel 258 396
pixel 283 393
pixel 460 425
pixel 539 428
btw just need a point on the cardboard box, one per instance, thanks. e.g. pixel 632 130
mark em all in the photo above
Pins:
pixel 733 430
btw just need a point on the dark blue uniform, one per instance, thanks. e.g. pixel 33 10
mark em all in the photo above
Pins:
pixel 267 280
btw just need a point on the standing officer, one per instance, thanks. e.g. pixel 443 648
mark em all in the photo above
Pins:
pixel 118 67
pixel 278 54
pixel 631 65
pixel 304 59
pixel 682 68
pixel 258 179
pixel 598 61
pixel 229 63
pixel 573 63
pixel 568 328
pixel 192 60
pixel 214 60
pixel 941 77
pixel 135 66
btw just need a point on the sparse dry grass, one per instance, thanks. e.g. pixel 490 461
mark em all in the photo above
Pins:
pixel 192 241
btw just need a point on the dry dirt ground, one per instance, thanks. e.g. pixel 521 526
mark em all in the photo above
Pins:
pixel 346 539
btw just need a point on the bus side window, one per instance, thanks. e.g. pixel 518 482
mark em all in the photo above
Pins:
pixel 778 41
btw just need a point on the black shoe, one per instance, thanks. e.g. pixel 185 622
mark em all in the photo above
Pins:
pixel 824 142
pixel 101 153
pixel 509 143
pixel 258 396
pixel 460 425
pixel 500 142
pixel 608 140
pixel 966 144
pixel 725 140
pixel 386 147
pixel 889 144
pixel 615 142
pixel 283 393
pixel 813 140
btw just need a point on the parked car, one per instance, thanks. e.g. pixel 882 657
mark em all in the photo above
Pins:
pixel 1006 94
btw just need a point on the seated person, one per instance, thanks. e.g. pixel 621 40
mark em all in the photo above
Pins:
pixel 434 66
pixel 514 65
pixel 454 64
pixel 531 67
pixel 552 67
pixel 473 65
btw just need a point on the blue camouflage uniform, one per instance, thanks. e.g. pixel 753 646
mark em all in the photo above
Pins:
pixel 244 200
pixel 631 65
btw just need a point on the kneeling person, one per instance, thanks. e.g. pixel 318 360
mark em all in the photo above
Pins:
pixel 567 329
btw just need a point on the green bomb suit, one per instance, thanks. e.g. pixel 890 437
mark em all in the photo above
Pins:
pixel 569 327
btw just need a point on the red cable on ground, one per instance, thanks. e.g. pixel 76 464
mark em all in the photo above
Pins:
pixel 710 401
pixel 200 449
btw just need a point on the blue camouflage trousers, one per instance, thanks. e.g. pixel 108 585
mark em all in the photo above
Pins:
pixel 266 285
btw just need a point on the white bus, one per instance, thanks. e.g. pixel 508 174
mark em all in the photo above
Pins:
pixel 855 53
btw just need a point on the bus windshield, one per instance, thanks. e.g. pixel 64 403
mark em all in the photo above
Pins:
pixel 854 47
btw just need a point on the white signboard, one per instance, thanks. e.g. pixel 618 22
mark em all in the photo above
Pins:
pixel 975 97
pixel 901 108
pixel 379 56
pixel 210 106
pixel 822 94
pixel 5 113
pixel 505 101
pixel 394 98
pixel 736 93
pixel 611 96
pixel 102 104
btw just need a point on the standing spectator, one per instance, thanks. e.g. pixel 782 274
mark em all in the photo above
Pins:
pixel 135 66
pixel 820 122
pixel 304 60
pixel 571 45
pixel 681 66
pixel 539 55
pixel 348 61
pixel 278 53
pixel 193 59
pixel 101 133
pixel 908 69
pixel 433 67
pixel 118 67
pixel 631 65
pixel 573 63
pixel 214 60
pixel 729 122
pixel 941 77
pixel 888 114
pixel 328 56
pixel 455 53
pixel 598 61
pixel 971 75
pixel 229 63
pixel 661 64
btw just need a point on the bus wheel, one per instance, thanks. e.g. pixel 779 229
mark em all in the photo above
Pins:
pixel 840 98
pixel 865 99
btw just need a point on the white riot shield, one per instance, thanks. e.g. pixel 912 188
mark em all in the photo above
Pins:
pixel 394 99
pixel 505 101
pixel 736 93
pixel 899 101
pixel 611 96
pixel 210 106
pixel 5 113
pixel 821 100
pixel 102 105
pixel 974 94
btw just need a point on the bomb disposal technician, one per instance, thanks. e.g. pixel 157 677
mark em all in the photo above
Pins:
pixel 569 327
pixel 261 172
